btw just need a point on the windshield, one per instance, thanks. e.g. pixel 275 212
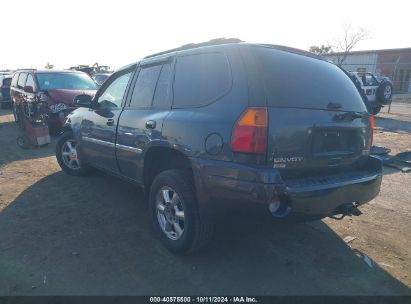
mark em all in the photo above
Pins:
pixel 101 78
pixel 65 81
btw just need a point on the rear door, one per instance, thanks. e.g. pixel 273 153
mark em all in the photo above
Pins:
pixel 30 82
pixel 140 125
pixel 99 124
pixel 317 119
pixel 19 90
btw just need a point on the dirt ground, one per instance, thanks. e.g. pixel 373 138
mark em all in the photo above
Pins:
pixel 63 235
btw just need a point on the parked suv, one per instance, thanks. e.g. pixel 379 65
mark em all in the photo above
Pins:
pixel 208 129
pixel 57 88
pixel 377 90
pixel 5 81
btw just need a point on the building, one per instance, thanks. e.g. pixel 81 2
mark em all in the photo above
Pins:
pixel 393 63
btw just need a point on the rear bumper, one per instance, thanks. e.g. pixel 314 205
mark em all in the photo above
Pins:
pixel 224 186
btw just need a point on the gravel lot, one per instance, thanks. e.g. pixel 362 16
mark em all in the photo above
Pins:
pixel 62 235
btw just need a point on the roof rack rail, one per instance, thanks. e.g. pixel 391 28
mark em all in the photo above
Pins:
pixel 295 51
pixel 190 46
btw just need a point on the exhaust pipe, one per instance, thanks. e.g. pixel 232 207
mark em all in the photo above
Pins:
pixel 278 207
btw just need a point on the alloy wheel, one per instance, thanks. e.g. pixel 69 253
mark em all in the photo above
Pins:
pixel 170 213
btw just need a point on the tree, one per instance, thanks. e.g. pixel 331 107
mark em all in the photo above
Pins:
pixel 49 66
pixel 321 50
pixel 350 38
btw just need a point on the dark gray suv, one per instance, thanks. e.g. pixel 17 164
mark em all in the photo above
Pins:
pixel 212 128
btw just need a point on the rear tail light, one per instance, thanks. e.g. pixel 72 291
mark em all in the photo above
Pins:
pixel 250 132
pixel 372 130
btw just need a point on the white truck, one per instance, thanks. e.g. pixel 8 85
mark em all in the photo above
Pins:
pixel 378 91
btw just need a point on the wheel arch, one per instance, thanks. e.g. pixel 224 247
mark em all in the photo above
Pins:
pixel 160 158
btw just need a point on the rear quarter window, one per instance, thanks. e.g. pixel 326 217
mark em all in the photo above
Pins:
pixel 14 80
pixel 201 79
pixel 22 80
pixel 293 80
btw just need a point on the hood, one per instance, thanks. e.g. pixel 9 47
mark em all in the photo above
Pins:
pixel 66 96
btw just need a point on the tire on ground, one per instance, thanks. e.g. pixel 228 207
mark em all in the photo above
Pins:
pixel 83 170
pixel 197 231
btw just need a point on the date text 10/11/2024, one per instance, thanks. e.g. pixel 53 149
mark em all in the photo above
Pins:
pixel 203 299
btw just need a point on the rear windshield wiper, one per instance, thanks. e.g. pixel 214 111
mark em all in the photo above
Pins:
pixel 334 105
pixel 350 116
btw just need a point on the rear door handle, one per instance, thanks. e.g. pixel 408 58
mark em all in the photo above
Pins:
pixel 151 124
pixel 110 122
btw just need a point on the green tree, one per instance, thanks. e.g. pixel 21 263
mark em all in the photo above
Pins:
pixel 320 50
pixel 49 66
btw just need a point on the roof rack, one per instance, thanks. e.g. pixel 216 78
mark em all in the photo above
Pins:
pixel 190 46
pixel 295 51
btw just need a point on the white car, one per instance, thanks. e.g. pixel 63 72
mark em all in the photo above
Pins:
pixel 378 92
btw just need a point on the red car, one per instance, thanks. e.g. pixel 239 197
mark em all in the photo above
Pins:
pixel 56 88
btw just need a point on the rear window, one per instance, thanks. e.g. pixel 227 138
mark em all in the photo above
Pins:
pixel 145 85
pixel 299 81
pixel 22 80
pixel 14 81
pixel 201 79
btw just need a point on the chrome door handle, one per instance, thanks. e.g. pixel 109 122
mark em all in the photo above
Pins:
pixel 110 122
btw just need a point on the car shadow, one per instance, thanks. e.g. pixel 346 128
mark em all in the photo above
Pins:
pixel 392 125
pixel 10 151
pixel 92 236
pixel 4 112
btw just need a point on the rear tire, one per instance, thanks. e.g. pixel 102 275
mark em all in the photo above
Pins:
pixel 23 142
pixel 67 155
pixel 15 113
pixel 196 231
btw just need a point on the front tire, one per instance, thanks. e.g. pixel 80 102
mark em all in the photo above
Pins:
pixel 67 155
pixel 174 212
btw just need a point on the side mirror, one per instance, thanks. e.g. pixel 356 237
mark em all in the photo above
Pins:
pixel 28 89
pixel 83 101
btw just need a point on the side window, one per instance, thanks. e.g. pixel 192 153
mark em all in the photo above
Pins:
pixel 30 82
pixel 144 88
pixel 368 80
pixel 163 90
pixel 14 80
pixel 200 79
pixel 113 94
pixel 22 80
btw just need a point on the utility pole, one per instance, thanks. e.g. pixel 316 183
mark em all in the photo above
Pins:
pixel 393 79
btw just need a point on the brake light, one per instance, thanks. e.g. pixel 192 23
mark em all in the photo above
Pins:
pixel 250 132
pixel 372 130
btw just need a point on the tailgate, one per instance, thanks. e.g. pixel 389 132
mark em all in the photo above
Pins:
pixel 310 142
